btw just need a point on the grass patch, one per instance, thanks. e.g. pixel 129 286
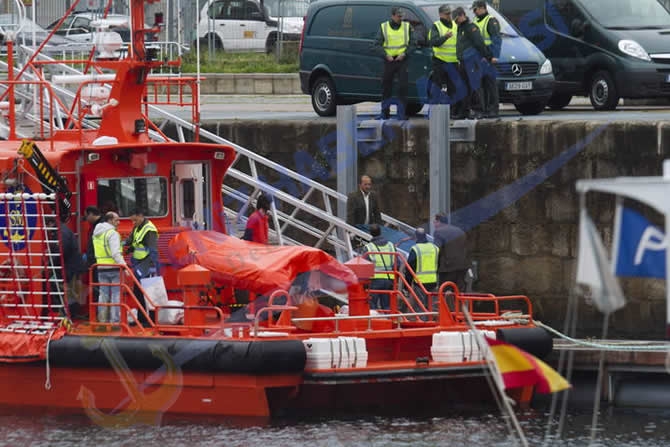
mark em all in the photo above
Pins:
pixel 224 62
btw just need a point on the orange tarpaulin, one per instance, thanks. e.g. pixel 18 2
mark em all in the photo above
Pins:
pixel 250 266
pixel 16 347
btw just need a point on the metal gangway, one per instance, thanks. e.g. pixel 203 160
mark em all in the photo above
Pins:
pixel 308 218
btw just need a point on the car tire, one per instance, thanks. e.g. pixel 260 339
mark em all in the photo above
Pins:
pixel 271 44
pixel 324 101
pixel 413 108
pixel 559 101
pixel 216 41
pixel 602 91
pixel 530 108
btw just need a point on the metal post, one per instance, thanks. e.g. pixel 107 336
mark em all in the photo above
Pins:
pixel 439 162
pixel 347 168
pixel 347 154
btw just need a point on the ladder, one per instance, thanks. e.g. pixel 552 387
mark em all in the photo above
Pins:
pixel 306 217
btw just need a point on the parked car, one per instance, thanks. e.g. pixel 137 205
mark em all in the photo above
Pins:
pixel 24 30
pixel 78 26
pixel 339 66
pixel 603 49
pixel 245 25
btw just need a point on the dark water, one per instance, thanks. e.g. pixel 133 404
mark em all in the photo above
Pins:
pixel 480 428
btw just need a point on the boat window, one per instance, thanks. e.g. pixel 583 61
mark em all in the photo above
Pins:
pixel 124 195
pixel 188 198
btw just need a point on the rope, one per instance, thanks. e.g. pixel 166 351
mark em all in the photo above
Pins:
pixel 47 383
pixel 619 346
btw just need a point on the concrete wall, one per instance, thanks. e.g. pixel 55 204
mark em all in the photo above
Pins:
pixel 525 237
pixel 250 84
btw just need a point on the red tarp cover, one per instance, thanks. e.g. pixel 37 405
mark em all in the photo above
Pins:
pixel 18 347
pixel 250 266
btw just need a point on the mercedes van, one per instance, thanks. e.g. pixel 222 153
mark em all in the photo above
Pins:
pixel 339 66
pixel 603 49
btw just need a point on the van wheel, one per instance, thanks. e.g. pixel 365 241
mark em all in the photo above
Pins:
pixel 558 101
pixel 323 96
pixel 603 92
pixel 413 108
pixel 530 108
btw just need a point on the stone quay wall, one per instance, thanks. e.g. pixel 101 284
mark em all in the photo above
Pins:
pixel 513 190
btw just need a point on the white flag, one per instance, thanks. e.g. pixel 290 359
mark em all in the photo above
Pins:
pixel 594 270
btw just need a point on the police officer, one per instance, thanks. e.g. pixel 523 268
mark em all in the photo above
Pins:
pixel 489 27
pixel 383 263
pixel 470 50
pixel 422 258
pixel 442 37
pixel 143 244
pixel 394 42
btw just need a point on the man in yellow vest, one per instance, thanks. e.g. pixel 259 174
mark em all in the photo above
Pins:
pixel 394 42
pixel 385 264
pixel 107 250
pixel 489 27
pixel 442 37
pixel 143 244
pixel 423 258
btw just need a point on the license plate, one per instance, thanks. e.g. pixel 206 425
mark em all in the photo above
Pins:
pixel 519 85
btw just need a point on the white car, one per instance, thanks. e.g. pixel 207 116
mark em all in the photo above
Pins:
pixel 243 25
pixel 78 26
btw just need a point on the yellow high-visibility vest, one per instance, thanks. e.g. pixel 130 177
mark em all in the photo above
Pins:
pixel 426 262
pixel 103 254
pixel 447 51
pixel 483 28
pixel 395 40
pixel 139 250
pixel 383 263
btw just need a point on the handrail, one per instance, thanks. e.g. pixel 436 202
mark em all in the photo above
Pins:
pixel 268 309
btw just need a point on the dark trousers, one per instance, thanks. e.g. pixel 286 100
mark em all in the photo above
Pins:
pixel 446 75
pixel 140 297
pixel 456 276
pixel 490 105
pixel 391 70
pixel 381 300
pixel 472 72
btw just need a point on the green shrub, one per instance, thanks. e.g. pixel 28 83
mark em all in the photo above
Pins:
pixel 226 62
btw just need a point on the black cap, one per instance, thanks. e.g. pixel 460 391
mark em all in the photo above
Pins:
pixel 458 12
pixel 396 11
pixel 478 4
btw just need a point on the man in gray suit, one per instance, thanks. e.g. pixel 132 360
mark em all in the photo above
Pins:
pixel 453 262
pixel 362 205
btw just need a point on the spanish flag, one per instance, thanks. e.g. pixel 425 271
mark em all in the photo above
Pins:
pixel 519 368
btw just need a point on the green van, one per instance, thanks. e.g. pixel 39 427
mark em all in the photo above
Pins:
pixel 603 49
pixel 338 64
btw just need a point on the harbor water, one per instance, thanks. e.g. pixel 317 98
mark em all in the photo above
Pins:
pixel 482 427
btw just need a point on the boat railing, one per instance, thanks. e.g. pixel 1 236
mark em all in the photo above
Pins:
pixel 477 301
pixel 396 318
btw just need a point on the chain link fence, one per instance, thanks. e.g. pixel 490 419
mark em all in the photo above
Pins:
pixel 270 26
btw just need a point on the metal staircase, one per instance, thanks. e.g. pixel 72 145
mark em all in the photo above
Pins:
pixel 308 217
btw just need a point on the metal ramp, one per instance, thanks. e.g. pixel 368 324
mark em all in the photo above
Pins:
pixel 307 216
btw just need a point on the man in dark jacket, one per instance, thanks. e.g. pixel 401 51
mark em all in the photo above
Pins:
pixel 362 205
pixel 489 28
pixel 452 263
pixel 471 51
pixel 394 42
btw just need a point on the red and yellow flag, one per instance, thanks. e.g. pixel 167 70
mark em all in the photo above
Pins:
pixel 519 368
